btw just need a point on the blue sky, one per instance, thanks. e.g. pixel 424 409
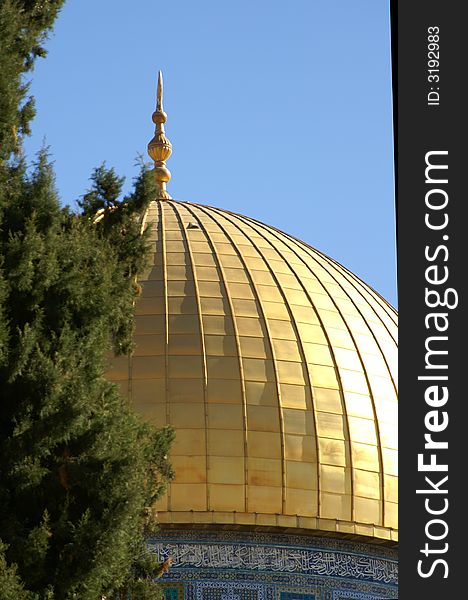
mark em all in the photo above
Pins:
pixel 280 111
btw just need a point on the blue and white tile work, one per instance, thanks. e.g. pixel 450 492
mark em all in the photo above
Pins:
pixel 228 565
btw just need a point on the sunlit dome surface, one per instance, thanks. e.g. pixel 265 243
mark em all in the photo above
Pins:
pixel 277 368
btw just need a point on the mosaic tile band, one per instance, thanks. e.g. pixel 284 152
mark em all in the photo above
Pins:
pixel 234 566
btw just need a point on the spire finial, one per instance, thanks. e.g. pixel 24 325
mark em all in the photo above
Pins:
pixel 160 148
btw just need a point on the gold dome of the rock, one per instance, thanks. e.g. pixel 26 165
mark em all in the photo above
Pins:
pixel 277 368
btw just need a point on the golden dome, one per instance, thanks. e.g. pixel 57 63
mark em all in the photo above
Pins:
pixel 277 368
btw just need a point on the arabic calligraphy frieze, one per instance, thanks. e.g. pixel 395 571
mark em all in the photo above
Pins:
pixel 276 559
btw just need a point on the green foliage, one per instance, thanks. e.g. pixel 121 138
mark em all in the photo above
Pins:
pixel 24 25
pixel 78 467
pixel 79 471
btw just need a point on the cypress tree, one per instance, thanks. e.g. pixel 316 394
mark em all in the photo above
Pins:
pixel 79 471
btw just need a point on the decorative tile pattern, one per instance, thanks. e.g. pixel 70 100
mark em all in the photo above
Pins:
pixel 260 566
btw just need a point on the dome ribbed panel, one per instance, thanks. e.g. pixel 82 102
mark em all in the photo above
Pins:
pixel 277 368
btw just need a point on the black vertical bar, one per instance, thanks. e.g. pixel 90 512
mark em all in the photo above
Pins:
pixel 430 74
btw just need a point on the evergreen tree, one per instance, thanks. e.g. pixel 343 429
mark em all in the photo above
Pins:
pixel 79 471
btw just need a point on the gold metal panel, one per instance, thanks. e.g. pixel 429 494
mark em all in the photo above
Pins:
pixel 264 499
pixel 152 288
pixel 354 381
pixel 208 274
pixel 348 359
pixel 225 248
pixel 387 410
pixel 148 367
pixel 260 392
pixel 327 400
pixel 390 461
pixel 340 338
pixel 226 469
pixel 215 324
pixel 335 479
pixel 301 475
pixel 333 452
pixel 225 497
pixel 365 457
pixel 189 469
pixel 185 367
pixel 298 422
pixel 214 306
pixel 185 390
pixel 236 275
pixel 230 260
pixel 180 305
pixel 317 354
pixel 367 484
pixel 323 377
pixel 203 260
pixel 225 442
pixel 198 246
pixel 177 258
pixel 256 369
pixel 227 391
pixel 287 280
pixel 383 388
pixel 188 496
pixel 362 430
pixel 263 278
pixel 290 372
pixel 212 289
pixel 187 416
pixel 254 347
pixel 179 272
pixel 294 396
pixel 152 305
pixel 248 326
pixel 281 329
pixel 246 249
pixel 300 447
pixel 311 333
pixel 118 368
pixel 189 442
pixel 276 310
pixel 331 425
pixel 220 345
pixel 149 324
pixel 335 506
pixel 263 418
pixel 301 502
pixel 225 416
pixel 286 350
pixel 323 302
pixel 149 345
pixel 262 444
pixel 391 515
pixel 264 471
pixel 183 324
pixel 375 365
pixel 297 297
pixel 368 510
pixel 181 344
pixel 388 435
pixel 223 367
pixel 146 391
pixel 246 307
pixel 241 290
pixel 153 413
pixel 358 405
pixel 255 263
pixel 180 288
